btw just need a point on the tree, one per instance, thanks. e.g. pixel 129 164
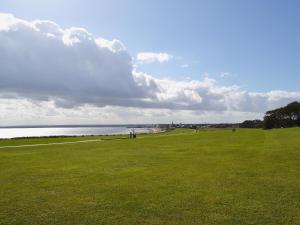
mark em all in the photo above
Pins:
pixel 288 116
pixel 252 124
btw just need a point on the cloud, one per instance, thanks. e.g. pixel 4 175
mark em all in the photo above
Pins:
pixel 43 63
pixel 224 75
pixel 40 60
pixel 24 112
pixel 184 66
pixel 151 57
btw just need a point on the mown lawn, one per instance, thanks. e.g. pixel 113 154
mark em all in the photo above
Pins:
pixel 180 177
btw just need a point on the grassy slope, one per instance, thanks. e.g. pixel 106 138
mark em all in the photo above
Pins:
pixel 210 177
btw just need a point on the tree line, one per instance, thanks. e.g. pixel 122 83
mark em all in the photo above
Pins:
pixel 288 116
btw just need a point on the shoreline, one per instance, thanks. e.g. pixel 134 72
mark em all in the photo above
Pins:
pixel 150 131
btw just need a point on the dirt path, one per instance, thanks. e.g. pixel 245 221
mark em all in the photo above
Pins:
pixel 61 143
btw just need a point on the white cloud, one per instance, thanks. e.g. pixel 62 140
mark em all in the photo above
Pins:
pixel 184 66
pixel 24 112
pixel 70 70
pixel 40 60
pixel 224 75
pixel 114 45
pixel 151 57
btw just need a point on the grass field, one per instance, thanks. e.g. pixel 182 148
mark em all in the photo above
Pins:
pixel 179 177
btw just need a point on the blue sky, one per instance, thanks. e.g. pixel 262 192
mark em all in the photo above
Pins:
pixel 138 61
pixel 256 42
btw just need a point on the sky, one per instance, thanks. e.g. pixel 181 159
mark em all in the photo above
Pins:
pixel 138 61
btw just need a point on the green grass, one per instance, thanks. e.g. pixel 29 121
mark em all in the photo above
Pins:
pixel 180 177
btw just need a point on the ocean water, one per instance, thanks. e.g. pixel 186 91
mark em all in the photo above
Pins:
pixel 67 131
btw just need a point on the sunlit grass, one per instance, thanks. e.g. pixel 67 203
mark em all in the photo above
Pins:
pixel 179 177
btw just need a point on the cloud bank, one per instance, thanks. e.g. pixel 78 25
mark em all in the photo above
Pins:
pixel 43 62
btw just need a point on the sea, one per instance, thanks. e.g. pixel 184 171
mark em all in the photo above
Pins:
pixel 19 132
